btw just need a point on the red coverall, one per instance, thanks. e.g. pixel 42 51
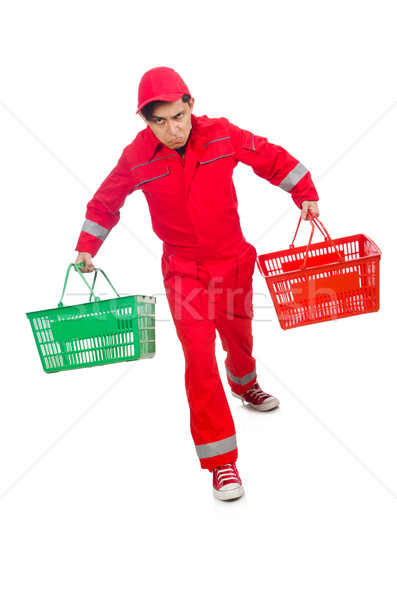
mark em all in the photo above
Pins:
pixel 207 264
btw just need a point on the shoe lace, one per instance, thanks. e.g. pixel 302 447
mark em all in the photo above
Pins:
pixel 257 392
pixel 227 473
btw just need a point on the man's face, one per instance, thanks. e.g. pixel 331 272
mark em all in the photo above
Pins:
pixel 171 122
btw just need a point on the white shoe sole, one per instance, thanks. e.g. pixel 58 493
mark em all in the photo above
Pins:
pixel 229 494
pixel 268 404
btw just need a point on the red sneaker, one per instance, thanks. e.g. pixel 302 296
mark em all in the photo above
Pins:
pixel 227 483
pixel 257 398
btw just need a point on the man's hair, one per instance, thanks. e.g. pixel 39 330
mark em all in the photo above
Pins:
pixel 148 109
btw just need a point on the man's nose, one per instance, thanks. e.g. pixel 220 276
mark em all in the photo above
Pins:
pixel 172 127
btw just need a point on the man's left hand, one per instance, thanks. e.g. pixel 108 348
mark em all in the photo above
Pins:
pixel 309 205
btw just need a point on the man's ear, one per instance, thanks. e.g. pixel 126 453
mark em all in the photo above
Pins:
pixel 191 103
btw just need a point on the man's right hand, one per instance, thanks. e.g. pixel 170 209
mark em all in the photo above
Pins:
pixel 86 258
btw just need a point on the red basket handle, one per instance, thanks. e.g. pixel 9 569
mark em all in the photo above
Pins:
pixel 315 222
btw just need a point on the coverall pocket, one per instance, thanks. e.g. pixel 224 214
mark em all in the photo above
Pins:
pixel 215 150
pixel 216 164
pixel 248 141
pixel 150 171
pixel 246 259
pixel 166 265
pixel 183 288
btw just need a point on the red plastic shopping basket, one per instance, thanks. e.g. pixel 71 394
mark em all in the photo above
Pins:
pixel 323 281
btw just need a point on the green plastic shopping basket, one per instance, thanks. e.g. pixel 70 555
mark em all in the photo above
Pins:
pixel 99 332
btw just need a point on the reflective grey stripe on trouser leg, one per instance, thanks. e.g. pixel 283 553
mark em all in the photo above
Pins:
pixel 217 448
pixel 241 380
pixel 293 177
pixel 94 229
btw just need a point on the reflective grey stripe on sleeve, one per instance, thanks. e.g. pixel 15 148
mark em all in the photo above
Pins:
pixel 293 177
pixel 241 380
pixel 95 229
pixel 217 448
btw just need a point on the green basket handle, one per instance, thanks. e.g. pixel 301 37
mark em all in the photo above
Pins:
pixel 77 267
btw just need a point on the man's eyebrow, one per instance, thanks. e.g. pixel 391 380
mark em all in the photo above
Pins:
pixel 173 116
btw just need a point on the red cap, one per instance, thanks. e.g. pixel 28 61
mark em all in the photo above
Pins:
pixel 162 84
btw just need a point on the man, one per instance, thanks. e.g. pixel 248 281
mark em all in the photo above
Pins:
pixel 184 166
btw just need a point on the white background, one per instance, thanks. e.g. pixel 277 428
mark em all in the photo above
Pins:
pixel 101 492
